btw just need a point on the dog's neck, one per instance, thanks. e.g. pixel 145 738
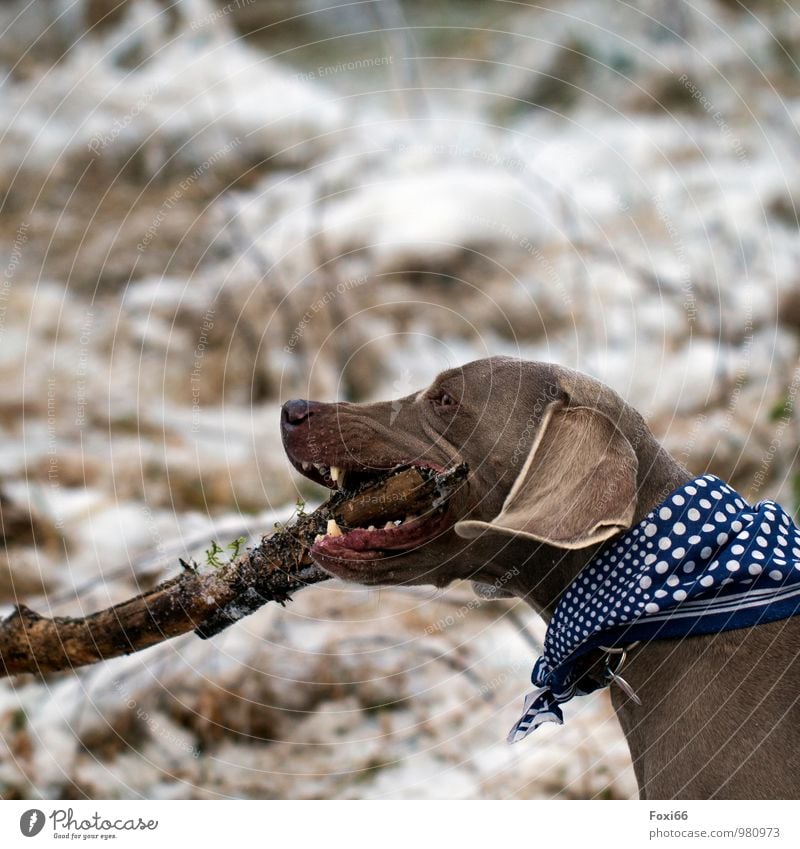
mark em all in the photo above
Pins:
pixel 704 699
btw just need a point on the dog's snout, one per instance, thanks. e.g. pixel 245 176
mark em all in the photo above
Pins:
pixel 296 411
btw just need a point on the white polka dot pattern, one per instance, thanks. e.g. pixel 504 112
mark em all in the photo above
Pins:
pixel 701 562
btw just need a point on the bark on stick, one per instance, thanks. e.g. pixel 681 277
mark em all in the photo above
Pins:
pixel 208 601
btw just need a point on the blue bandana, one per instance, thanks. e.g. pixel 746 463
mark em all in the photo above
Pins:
pixel 701 562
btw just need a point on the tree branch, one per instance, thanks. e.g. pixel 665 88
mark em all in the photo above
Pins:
pixel 208 601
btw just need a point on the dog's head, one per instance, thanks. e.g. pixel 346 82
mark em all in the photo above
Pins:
pixel 553 460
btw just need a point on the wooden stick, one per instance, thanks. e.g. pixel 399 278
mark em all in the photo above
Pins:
pixel 208 601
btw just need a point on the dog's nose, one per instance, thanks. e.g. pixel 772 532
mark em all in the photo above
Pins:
pixel 295 412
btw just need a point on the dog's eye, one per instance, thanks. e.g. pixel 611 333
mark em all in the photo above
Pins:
pixel 442 399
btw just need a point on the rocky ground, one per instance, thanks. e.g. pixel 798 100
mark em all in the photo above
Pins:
pixel 210 208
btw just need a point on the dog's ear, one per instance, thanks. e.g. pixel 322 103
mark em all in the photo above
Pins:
pixel 577 485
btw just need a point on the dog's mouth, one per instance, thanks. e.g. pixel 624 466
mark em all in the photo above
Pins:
pixel 400 531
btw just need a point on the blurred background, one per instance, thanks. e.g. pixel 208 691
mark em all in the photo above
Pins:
pixel 208 208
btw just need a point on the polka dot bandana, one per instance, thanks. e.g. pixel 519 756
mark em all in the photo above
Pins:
pixel 702 562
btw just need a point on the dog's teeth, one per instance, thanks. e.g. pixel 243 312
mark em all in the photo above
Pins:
pixel 335 472
pixel 371 528
pixel 388 526
pixel 319 538
pixel 333 529
pixel 398 522
pixel 306 466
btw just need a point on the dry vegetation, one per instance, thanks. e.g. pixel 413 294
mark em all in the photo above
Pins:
pixel 204 214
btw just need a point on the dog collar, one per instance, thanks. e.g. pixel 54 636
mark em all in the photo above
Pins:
pixel 703 561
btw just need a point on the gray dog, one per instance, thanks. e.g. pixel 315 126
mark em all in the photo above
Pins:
pixel 560 467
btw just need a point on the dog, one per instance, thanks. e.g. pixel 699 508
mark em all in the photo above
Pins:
pixel 560 466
